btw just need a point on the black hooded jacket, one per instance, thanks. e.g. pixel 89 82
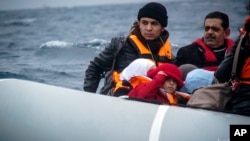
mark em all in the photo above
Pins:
pixel 223 73
pixel 123 51
pixel 240 100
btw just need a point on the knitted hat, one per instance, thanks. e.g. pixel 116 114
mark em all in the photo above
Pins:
pixel 185 69
pixel 171 70
pixel 156 11
pixel 198 78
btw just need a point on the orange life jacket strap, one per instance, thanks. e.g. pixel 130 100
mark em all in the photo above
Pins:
pixel 183 95
pixel 138 80
pixel 165 51
pixel 172 99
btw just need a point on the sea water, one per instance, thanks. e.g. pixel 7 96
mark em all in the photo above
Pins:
pixel 55 45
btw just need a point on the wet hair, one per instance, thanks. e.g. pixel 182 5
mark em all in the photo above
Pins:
pixel 219 15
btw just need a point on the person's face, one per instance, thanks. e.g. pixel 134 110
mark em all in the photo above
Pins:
pixel 170 85
pixel 150 28
pixel 214 33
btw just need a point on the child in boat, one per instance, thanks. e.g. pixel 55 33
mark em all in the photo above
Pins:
pixel 167 79
pixel 198 78
pixel 135 73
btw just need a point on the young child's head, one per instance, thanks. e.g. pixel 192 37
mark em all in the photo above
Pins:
pixel 185 69
pixel 198 78
pixel 170 85
pixel 139 67
pixel 173 76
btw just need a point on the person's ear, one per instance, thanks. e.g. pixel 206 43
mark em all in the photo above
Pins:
pixel 227 32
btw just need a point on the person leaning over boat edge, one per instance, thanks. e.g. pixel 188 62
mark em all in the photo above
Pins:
pixel 148 38
pixel 240 101
pixel 208 52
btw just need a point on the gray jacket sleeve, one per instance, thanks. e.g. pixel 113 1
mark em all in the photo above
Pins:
pixel 98 66
pixel 224 70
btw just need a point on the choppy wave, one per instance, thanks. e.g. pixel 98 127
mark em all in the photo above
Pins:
pixel 67 51
pixel 56 45
pixel 64 53
pixel 12 75
pixel 95 43
pixel 20 22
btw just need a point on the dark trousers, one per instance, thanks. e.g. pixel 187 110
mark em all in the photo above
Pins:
pixel 240 101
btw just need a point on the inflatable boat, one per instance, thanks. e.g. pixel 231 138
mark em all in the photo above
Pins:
pixel 31 111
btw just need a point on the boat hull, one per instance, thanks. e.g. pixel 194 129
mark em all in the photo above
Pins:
pixel 36 111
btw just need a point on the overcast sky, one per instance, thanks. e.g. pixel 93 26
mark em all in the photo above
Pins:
pixel 24 4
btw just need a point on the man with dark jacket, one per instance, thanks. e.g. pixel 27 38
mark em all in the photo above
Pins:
pixel 148 38
pixel 240 101
pixel 208 52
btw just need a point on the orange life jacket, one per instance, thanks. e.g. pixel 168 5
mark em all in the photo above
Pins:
pixel 172 98
pixel 210 57
pixel 245 72
pixel 164 55
pixel 132 83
